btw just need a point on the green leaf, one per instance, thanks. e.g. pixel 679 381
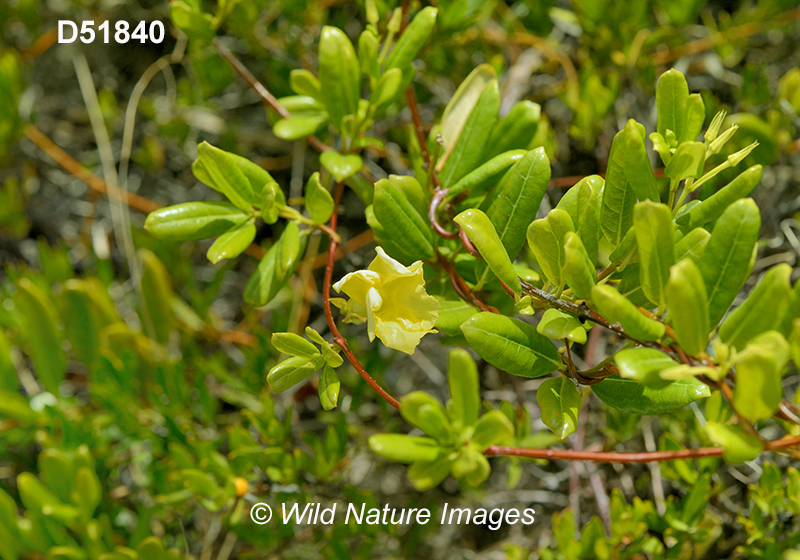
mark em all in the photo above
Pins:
pixel 559 403
pixel 8 371
pixel 631 287
pixel 299 126
pixel 511 345
pixel 688 306
pixel 87 493
pixel 517 129
pixel 687 161
pixel 712 208
pixel 394 247
pixel 404 449
pixel 194 220
pixel 794 344
pixel 401 221
pixel 319 202
pixel 759 369
pixel 517 198
pixel 193 22
pixel 493 428
pixel 461 105
pixel 41 331
pixel 412 39
pixel 578 271
pixel 695 117
pixel 626 247
pixel 81 320
pixel 737 446
pixel 328 388
pixel 557 324
pixel 226 176
pixel 785 326
pixel 339 74
pixel 265 283
pixel 694 503
pixel 413 192
pixel 478 180
pixel 199 482
pixel 629 176
pixel 426 413
pixel 297 104
pixel 304 82
pixel 232 243
pixel 452 315
pixel 462 380
pixel 341 166
pixel 272 199
pixel 13 405
pixel 482 233
pixel 386 89
pixel 468 151
pixel 726 260
pixel 289 373
pixel 257 175
pixel 546 238
pixel 368 47
pixel 761 311
pixel 289 251
pixel 472 467
pixel 294 345
pixel 425 475
pixel 672 95
pixel 57 469
pixel 653 226
pixel 37 498
pixel 157 295
pixel 643 365
pixel 582 203
pixel 634 398
pixel 616 308
pixel 692 244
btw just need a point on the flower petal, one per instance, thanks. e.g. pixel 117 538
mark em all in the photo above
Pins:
pixel 374 304
pixel 356 285
pixel 387 267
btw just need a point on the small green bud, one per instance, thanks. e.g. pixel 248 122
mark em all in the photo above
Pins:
pixel 394 23
pixel 372 12
pixel 736 159
pixel 721 140
pixel 713 129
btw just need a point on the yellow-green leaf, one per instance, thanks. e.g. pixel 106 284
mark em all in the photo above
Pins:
pixel 725 265
pixel 481 232
pixel 616 308
pixel 559 403
pixel 511 345
pixel 652 222
pixel 546 238
pixel 688 306
pixel 232 243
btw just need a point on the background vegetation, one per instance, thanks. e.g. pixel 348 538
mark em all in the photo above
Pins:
pixel 135 419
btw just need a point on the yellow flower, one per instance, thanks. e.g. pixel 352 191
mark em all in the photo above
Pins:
pixel 398 309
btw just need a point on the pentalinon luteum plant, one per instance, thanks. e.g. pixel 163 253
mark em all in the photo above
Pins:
pixel 620 252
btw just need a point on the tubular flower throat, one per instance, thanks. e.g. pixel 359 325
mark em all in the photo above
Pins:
pixel 399 311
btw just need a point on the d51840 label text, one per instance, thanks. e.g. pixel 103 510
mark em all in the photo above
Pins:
pixel 69 32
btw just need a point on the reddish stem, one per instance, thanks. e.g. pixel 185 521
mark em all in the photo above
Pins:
pixel 423 144
pixel 262 91
pixel 326 303
pixel 612 457
pixel 433 208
